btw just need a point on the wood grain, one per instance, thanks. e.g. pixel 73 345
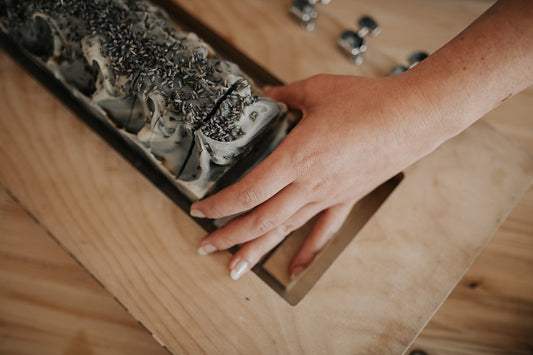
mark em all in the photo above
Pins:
pixel 265 32
pixel 279 261
pixel 274 40
pixel 143 247
pixel 49 304
pixel 491 309
pixel 504 325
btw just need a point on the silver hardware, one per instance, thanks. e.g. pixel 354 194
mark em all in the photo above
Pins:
pixel 304 12
pixel 352 43
pixel 413 60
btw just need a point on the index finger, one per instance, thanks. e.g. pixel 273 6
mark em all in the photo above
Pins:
pixel 260 184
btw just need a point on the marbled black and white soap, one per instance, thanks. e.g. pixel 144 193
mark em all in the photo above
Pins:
pixel 191 110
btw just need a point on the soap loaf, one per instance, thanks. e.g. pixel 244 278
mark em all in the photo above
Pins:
pixel 193 111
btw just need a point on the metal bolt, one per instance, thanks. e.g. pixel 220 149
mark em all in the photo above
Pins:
pixel 368 26
pixel 398 70
pixel 304 11
pixel 413 60
pixel 416 58
pixel 352 43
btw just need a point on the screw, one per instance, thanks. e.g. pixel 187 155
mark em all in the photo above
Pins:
pixel 352 43
pixel 304 11
pixel 416 58
pixel 413 60
pixel 368 26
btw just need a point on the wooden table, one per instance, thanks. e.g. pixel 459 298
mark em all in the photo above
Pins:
pixel 140 246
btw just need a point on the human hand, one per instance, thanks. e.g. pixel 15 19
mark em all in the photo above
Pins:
pixel 355 133
pixel 358 132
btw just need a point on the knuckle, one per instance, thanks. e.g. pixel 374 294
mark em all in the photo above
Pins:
pixel 285 229
pixel 263 224
pixel 249 198
pixel 305 162
pixel 320 185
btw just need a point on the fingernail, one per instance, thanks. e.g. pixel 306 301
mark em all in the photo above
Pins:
pixel 206 249
pixel 197 213
pixel 239 270
pixel 297 271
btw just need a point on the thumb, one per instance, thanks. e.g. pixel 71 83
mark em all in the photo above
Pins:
pixel 291 94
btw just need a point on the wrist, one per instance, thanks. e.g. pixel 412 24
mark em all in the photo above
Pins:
pixel 419 120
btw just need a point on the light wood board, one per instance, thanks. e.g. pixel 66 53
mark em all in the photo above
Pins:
pixel 264 31
pixel 505 322
pixel 142 247
pixel 49 304
pixel 108 163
